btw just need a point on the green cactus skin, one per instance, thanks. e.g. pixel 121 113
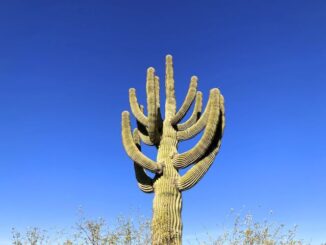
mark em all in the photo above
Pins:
pixel 167 185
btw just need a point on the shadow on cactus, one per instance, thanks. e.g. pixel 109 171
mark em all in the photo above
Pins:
pixel 165 134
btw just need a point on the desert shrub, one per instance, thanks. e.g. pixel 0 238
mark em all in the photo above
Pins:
pixel 245 230
pixel 32 236
pixel 127 231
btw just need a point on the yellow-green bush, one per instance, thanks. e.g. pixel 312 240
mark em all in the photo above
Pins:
pixel 129 231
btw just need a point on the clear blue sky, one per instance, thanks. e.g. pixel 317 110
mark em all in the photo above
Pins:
pixel 65 71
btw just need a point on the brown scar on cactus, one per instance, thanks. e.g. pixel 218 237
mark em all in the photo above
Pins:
pixel 165 134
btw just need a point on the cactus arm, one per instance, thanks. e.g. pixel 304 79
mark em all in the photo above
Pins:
pixel 158 104
pixel 195 114
pixel 196 128
pixel 194 175
pixel 144 187
pixel 187 102
pixel 142 131
pixel 170 102
pixel 152 106
pixel 199 150
pixel 145 183
pixel 139 115
pixel 145 138
pixel 133 152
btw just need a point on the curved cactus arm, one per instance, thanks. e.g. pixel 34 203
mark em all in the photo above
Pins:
pixel 196 128
pixel 199 150
pixel 143 187
pixel 170 102
pixel 139 115
pixel 194 175
pixel 191 94
pixel 152 106
pixel 195 113
pixel 145 138
pixel 145 183
pixel 133 152
pixel 142 130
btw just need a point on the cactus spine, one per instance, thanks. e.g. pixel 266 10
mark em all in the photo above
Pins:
pixel 165 135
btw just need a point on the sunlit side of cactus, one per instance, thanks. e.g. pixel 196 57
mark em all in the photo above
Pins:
pixel 165 136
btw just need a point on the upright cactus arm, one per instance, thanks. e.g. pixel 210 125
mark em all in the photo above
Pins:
pixel 187 102
pixel 196 128
pixel 139 115
pixel 199 150
pixel 133 152
pixel 193 176
pixel 152 106
pixel 170 102
pixel 145 183
pixel 158 104
pixel 195 113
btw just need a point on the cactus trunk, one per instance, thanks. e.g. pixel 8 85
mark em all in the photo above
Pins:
pixel 166 224
pixel 167 203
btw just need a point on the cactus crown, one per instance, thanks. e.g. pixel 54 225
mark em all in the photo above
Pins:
pixel 165 134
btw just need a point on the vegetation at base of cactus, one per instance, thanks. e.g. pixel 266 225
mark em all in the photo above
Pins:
pixel 165 134
pixel 246 230
pixel 243 230
pixel 123 230
pixel 32 236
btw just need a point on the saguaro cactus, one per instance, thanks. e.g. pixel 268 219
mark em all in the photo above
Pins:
pixel 165 136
